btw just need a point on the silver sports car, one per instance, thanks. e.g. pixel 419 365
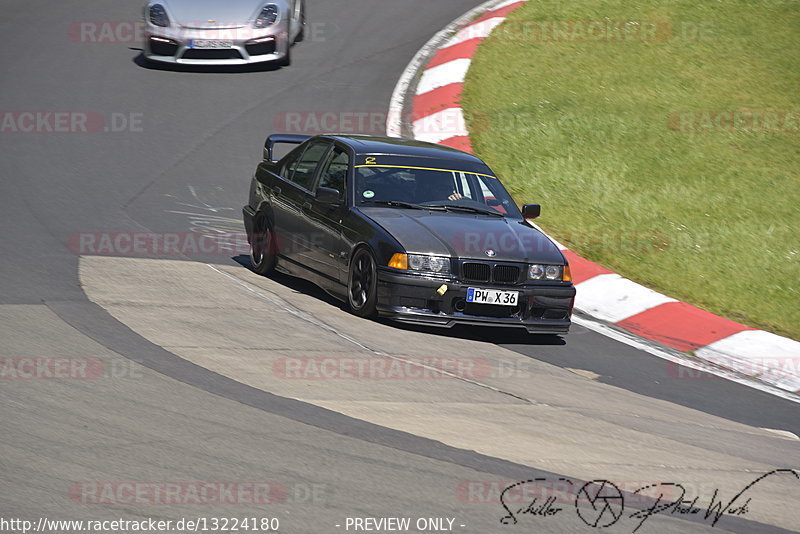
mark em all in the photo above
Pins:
pixel 222 32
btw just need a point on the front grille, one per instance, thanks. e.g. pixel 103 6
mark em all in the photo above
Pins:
pixel 212 53
pixel 507 274
pixel 485 272
pixel 261 49
pixel 475 272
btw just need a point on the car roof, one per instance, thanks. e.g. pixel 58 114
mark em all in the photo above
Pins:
pixel 396 146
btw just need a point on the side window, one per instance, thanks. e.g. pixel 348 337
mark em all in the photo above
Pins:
pixel 303 174
pixel 290 162
pixel 334 171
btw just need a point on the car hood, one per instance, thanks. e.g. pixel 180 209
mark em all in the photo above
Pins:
pixel 200 13
pixel 466 235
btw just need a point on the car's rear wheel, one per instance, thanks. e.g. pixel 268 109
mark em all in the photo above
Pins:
pixel 362 284
pixel 262 247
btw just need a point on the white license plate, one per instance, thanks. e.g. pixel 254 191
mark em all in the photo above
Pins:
pixel 492 296
pixel 210 43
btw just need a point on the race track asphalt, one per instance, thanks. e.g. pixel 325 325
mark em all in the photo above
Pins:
pixel 177 410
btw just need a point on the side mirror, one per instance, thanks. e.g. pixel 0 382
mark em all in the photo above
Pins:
pixel 328 195
pixel 531 211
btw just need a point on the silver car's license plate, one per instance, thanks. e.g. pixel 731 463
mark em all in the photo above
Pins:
pixel 492 296
pixel 210 43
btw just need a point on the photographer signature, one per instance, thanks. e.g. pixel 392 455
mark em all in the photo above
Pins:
pixel 600 503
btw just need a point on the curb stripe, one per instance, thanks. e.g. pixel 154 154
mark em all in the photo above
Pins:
pixel 463 50
pixel 441 125
pixel 504 10
pixel 480 30
pixel 581 268
pixel 451 72
pixel 775 357
pixel 461 142
pixel 445 97
pixel 611 298
pixel 681 326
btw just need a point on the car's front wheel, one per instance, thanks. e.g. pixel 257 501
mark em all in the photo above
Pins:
pixel 262 247
pixel 286 60
pixel 362 284
pixel 302 21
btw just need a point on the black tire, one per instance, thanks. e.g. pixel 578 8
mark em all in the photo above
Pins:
pixel 286 60
pixel 302 33
pixel 362 284
pixel 262 247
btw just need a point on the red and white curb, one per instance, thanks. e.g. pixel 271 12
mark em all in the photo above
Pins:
pixel 439 70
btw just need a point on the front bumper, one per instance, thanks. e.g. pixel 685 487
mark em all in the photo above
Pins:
pixel 248 46
pixel 542 309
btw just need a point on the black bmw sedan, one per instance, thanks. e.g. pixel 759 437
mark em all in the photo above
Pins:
pixel 416 232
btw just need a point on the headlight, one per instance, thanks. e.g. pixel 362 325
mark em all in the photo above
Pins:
pixel 546 272
pixel 267 16
pixel 158 15
pixel 438 265
pixel 421 263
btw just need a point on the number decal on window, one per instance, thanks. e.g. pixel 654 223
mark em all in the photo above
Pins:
pixel 371 160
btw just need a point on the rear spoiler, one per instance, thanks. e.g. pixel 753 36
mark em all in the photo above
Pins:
pixel 273 139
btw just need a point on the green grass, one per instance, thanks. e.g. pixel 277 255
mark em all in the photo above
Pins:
pixel 584 129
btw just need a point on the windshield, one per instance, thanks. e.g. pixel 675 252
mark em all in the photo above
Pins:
pixel 433 187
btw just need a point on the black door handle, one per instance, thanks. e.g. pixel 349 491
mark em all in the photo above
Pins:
pixel 306 205
pixel 276 190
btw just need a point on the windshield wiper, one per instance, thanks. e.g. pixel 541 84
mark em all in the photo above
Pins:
pixel 401 204
pixel 471 209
